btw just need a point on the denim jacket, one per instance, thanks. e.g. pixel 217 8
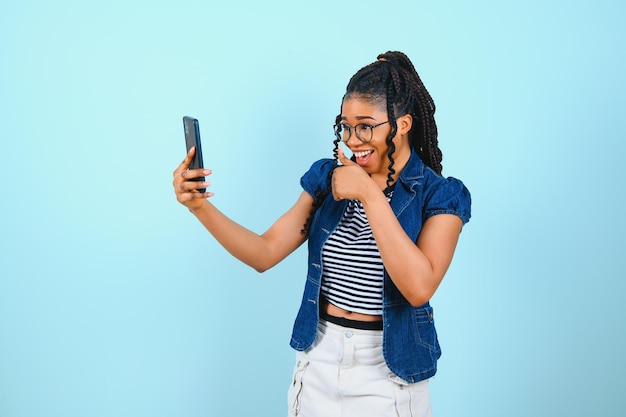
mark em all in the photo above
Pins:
pixel 410 345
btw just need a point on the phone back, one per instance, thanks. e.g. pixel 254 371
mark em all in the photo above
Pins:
pixel 192 138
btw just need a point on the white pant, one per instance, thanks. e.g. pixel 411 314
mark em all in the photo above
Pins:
pixel 344 375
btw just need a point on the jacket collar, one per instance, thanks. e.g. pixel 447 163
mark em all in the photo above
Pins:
pixel 409 178
pixel 413 171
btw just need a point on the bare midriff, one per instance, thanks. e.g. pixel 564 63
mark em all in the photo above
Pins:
pixel 333 310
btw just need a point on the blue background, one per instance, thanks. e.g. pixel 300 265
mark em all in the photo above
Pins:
pixel 114 301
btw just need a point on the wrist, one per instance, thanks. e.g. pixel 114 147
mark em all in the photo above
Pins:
pixel 372 193
pixel 194 209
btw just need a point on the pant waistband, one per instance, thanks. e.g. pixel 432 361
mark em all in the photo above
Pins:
pixel 353 324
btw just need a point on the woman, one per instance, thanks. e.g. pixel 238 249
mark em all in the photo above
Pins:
pixel 382 228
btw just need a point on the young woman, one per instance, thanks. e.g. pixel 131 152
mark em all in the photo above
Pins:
pixel 382 228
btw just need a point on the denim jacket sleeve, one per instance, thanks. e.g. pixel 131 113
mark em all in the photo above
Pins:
pixel 446 196
pixel 317 178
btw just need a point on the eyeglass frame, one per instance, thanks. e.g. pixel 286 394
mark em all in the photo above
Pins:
pixel 350 128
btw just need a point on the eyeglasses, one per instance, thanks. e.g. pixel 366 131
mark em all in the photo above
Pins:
pixel 363 131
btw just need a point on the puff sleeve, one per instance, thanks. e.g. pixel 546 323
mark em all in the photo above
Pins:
pixel 448 196
pixel 317 178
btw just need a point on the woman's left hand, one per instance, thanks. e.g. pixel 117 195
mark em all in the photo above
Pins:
pixel 350 181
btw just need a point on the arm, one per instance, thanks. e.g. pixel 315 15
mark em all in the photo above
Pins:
pixel 415 268
pixel 261 252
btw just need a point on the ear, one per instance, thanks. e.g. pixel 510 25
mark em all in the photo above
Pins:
pixel 404 122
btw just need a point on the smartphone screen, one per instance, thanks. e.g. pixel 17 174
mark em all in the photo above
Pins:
pixel 192 138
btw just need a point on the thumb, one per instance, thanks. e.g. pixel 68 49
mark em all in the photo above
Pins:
pixel 343 158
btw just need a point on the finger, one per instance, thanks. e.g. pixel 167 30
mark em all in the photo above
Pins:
pixel 190 174
pixel 334 184
pixel 343 158
pixel 193 195
pixel 189 157
pixel 186 162
pixel 192 186
pixel 336 195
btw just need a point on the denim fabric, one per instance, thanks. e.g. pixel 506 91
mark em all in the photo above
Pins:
pixel 410 345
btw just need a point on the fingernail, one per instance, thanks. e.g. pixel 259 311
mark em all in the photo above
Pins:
pixel 207 172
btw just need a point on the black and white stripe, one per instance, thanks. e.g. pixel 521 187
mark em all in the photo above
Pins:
pixel 352 276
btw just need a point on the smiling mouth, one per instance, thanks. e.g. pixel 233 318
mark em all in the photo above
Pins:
pixel 363 157
pixel 362 154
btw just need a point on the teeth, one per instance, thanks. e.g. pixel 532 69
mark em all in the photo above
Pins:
pixel 362 154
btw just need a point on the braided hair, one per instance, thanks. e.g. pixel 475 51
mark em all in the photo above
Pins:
pixel 392 80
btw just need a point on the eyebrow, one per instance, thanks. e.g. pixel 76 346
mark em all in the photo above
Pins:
pixel 361 118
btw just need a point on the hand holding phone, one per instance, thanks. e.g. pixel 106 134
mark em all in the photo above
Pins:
pixel 192 138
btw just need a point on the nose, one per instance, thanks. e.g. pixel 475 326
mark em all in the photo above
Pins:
pixel 353 141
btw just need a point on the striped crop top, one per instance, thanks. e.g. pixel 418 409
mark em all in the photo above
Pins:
pixel 352 275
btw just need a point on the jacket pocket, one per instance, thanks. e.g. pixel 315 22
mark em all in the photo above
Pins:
pixel 425 325
pixel 294 395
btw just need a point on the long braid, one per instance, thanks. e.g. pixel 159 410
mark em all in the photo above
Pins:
pixel 421 106
pixel 389 78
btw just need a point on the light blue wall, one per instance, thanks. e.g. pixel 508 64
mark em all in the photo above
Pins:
pixel 115 302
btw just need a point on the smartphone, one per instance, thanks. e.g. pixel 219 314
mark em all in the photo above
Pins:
pixel 192 138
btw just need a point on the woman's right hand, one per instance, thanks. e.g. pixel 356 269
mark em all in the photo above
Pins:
pixel 186 190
